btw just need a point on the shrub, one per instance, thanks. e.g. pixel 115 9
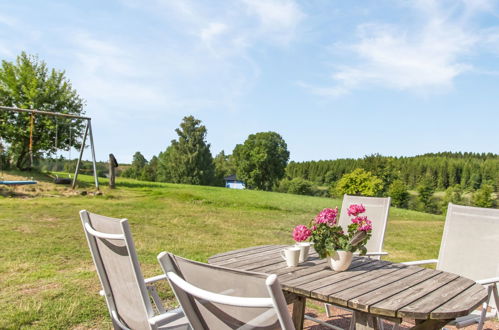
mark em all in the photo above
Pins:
pixel 483 197
pixel 300 186
pixel 359 182
pixel 454 195
pixel 399 194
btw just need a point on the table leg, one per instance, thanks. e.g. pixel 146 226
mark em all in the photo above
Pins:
pixel 299 312
pixel 365 321
pixel 430 324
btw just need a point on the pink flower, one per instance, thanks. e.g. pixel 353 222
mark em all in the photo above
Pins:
pixel 327 216
pixel 356 209
pixel 363 223
pixel 301 233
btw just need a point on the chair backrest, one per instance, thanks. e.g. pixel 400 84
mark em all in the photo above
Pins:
pixel 114 256
pixel 377 209
pixel 214 297
pixel 470 242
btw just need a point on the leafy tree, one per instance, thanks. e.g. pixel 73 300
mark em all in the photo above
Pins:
pixel 4 159
pixel 483 197
pixel 261 160
pixel 399 194
pixel 149 171
pixel 359 182
pixel 188 159
pixel 381 167
pixel 426 190
pixel 454 195
pixel 224 166
pixel 138 164
pixel 28 83
pixel 163 171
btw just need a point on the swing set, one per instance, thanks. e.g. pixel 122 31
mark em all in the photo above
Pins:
pixel 88 132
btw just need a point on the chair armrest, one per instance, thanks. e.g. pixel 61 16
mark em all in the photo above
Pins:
pixel 167 317
pixel 420 262
pixel 155 279
pixel 488 281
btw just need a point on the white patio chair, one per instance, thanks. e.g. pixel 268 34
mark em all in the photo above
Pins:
pixel 470 248
pixel 377 209
pixel 215 297
pixel 124 287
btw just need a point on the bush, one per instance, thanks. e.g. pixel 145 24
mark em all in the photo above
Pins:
pixel 399 194
pixel 297 186
pixel 359 182
pixel 454 195
pixel 483 197
pixel 300 186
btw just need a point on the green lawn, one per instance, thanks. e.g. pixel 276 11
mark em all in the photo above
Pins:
pixel 47 279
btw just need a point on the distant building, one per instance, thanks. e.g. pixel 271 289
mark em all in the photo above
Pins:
pixel 232 182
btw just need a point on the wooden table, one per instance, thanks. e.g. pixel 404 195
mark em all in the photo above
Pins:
pixel 369 287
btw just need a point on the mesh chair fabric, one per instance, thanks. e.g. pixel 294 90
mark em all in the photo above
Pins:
pixel 470 243
pixel 120 273
pixel 376 211
pixel 228 282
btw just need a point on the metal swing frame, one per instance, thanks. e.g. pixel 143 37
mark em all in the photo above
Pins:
pixel 88 132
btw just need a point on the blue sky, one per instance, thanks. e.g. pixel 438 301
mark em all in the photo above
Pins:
pixel 335 78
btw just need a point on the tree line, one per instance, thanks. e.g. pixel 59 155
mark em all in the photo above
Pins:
pixel 411 182
pixel 259 161
pixel 446 169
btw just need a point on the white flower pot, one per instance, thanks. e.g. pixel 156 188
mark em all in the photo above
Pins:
pixel 340 261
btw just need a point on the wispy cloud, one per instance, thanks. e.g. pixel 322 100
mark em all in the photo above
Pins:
pixel 279 18
pixel 424 58
pixel 201 58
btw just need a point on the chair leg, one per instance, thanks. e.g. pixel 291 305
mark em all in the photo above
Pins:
pixel 328 312
pixel 496 299
pixel 485 305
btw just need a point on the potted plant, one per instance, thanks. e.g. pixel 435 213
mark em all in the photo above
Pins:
pixel 331 241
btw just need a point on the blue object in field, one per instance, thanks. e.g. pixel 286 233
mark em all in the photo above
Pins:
pixel 16 183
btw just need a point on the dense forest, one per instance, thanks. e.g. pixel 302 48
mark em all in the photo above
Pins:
pixel 446 169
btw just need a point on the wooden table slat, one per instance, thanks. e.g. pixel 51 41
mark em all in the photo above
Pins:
pixel 241 261
pixel 422 307
pixel 462 304
pixel 341 293
pixel 362 285
pixel 364 301
pixel 280 264
pixel 389 307
pixel 324 271
pixel 332 278
pixel 222 256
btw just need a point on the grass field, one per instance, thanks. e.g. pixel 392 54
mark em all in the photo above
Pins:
pixel 47 279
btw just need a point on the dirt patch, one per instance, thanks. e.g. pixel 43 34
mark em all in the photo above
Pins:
pixel 43 188
pixel 30 289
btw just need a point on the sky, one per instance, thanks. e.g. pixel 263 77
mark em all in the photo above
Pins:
pixel 336 79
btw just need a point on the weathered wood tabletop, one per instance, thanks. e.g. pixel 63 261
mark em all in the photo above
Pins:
pixel 369 287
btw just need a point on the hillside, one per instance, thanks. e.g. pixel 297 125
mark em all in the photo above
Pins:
pixel 46 273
